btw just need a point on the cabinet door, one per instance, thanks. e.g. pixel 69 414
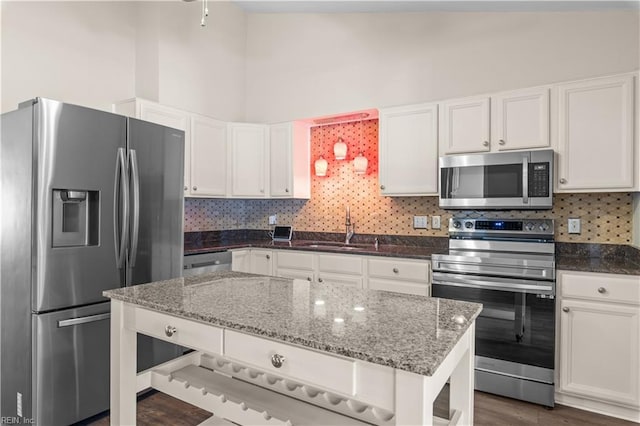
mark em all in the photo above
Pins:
pixel 409 150
pixel 261 262
pixel 596 146
pixel 599 347
pixel 240 261
pixel 521 119
pixel 464 126
pixel 248 160
pixel 177 119
pixel 338 279
pixel 406 287
pixel 208 157
pixel 281 147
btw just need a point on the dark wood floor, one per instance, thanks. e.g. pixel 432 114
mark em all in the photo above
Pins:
pixel 490 410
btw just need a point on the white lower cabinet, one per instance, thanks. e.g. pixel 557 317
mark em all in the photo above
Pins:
pixel 409 276
pixel 399 275
pixel 261 262
pixel 599 343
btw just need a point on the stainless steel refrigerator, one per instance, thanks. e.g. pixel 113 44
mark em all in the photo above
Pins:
pixel 90 201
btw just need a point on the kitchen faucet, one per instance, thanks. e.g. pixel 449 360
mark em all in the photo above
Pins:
pixel 349 227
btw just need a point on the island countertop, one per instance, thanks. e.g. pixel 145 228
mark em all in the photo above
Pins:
pixel 411 333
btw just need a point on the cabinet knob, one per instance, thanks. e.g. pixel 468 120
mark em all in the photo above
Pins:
pixel 485 143
pixel 186 187
pixel 262 191
pixel 563 180
pixel 195 188
pixel 319 280
pixel 308 278
pixel 277 360
pixel 268 257
pixel 170 330
pixel 501 142
pixel 565 309
pixel 286 190
pixel 395 270
pixel 602 290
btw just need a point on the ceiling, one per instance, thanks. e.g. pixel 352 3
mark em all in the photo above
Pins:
pixel 390 6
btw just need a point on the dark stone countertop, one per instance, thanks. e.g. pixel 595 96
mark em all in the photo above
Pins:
pixel 604 258
pixel 407 332
pixel 388 250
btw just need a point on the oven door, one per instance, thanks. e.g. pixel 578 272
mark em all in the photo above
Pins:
pixel 517 327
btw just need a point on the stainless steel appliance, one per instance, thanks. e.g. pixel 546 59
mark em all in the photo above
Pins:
pixel 90 201
pixel 508 266
pixel 503 180
pixel 198 264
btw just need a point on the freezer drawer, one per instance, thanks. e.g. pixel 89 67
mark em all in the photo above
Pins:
pixel 71 361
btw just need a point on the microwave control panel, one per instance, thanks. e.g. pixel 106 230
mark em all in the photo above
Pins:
pixel 539 179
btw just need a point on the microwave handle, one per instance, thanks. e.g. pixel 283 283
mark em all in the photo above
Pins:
pixel 525 180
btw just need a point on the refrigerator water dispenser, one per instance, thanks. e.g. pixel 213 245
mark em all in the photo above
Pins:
pixel 75 218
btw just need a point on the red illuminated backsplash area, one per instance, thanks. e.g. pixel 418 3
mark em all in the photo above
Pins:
pixel 606 217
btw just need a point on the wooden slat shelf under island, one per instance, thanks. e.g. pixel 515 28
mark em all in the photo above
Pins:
pixel 275 351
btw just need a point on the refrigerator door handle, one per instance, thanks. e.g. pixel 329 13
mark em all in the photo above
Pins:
pixel 83 320
pixel 135 230
pixel 121 193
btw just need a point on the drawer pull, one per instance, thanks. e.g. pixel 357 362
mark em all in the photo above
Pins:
pixel 395 270
pixel 602 290
pixel 170 330
pixel 319 280
pixel 565 309
pixel 277 360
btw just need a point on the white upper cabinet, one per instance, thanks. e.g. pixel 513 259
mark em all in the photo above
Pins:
pixel 596 135
pixel 208 157
pixel 408 150
pixel 520 119
pixel 289 160
pixel 165 116
pixel 465 126
pixel 248 160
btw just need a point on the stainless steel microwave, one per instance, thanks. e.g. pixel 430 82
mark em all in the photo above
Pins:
pixel 502 180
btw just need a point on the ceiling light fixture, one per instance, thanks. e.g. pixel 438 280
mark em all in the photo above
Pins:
pixel 340 149
pixel 360 162
pixel 205 11
pixel 321 164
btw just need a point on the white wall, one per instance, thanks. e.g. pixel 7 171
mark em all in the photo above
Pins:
pixel 78 52
pixel 186 66
pixel 95 53
pixel 305 65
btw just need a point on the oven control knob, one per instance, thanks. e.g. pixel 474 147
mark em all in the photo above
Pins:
pixel 468 225
pixel 544 227
pixel 529 226
pixel 456 224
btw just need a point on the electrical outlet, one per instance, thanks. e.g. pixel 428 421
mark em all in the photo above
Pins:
pixel 420 222
pixel 273 219
pixel 435 222
pixel 574 225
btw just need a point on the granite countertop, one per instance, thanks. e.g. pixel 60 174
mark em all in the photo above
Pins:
pixel 387 250
pixel 412 333
pixel 604 258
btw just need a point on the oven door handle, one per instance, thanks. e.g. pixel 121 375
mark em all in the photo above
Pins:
pixel 488 284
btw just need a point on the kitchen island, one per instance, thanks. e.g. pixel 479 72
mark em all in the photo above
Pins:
pixel 278 351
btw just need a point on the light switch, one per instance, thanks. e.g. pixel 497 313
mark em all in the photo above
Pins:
pixel 574 225
pixel 273 219
pixel 420 222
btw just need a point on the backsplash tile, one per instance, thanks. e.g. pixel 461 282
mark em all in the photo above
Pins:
pixel 606 217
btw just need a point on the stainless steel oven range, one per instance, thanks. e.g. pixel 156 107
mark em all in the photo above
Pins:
pixel 508 266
